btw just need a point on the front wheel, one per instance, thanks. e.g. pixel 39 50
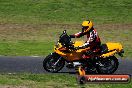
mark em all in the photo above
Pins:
pixel 107 65
pixel 53 63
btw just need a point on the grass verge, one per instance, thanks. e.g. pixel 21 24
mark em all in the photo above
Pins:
pixel 32 40
pixel 51 81
pixel 26 48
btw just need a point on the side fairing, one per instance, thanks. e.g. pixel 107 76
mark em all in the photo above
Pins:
pixel 72 55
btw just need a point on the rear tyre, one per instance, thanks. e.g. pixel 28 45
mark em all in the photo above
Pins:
pixel 53 63
pixel 107 65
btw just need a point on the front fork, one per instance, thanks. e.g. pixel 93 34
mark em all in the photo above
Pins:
pixel 57 61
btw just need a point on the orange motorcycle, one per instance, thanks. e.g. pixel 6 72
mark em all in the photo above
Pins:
pixel 102 62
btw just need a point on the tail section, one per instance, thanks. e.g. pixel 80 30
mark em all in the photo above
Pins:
pixel 113 48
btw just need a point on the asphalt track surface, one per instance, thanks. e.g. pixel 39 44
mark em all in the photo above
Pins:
pixel 25 64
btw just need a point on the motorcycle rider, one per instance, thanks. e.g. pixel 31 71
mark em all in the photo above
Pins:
pixel 93 40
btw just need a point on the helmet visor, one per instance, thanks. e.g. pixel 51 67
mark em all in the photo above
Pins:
pixel 84 28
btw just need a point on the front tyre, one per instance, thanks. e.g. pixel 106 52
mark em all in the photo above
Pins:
pixel 107 65
pixel 53 63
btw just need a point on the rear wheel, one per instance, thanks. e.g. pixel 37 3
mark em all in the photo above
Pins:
pixel 107 65
pixel 53 63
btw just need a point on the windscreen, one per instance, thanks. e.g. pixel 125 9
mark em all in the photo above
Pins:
pixel 65 40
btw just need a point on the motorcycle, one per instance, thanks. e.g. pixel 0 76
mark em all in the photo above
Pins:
pixel 101 62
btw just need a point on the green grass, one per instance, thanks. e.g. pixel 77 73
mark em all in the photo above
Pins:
pixel 26 48
pixel 51 81
pixel 65 11
pixel 40 42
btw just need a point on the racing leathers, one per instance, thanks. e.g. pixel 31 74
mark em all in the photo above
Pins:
pixel 93 40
